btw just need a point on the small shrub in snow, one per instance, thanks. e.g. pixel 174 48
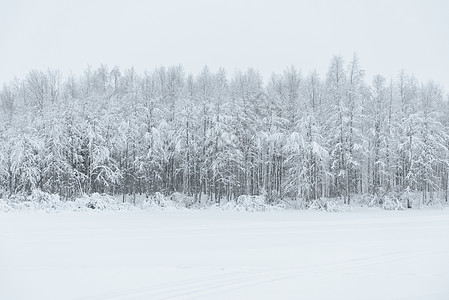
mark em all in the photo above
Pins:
pixel 392 203
pixel 45 200
pixel 181 199
pixel 373 200
pixel 159 201
pixel 388 201
pixel 101 202
pixel 316 204
pixel 4 207
pixel 37 200
pixel 18 198
pixel 362 199
pixel 248 203
pixel 328 205
pixel 80 204
pixel 252 203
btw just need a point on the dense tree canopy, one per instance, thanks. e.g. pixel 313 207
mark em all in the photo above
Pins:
pixel 210 135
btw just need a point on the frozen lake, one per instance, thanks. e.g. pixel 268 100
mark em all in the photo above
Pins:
pixel 212 254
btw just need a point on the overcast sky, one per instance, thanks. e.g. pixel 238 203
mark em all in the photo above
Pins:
pixel 234 34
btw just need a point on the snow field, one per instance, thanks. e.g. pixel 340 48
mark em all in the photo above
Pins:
pixel 212 254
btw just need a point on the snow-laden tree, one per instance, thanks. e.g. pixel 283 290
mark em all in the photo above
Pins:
pixel 337 127
pixel 356 151
pixel 429 148
pixel 307 153
pixel 213 137
pixel 246 90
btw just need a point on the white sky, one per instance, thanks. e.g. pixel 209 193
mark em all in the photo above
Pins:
pixel 234 34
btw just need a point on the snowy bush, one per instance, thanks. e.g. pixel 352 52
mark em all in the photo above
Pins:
pixel 388 201
pixel 17 198
pixel 4 207
pixel 159 201
pixel 45 200
pixel 37 200
pixel 362 199
pixel 181 199
pixel 373 200
pixel 249 203
pixel 252 203
pixel 328 205
pixel 158 198
pixel 100 202
pixel 392 203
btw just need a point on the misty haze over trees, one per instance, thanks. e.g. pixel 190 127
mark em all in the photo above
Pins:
pixel 292 136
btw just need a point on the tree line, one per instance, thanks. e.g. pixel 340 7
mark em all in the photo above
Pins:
pixel 219 136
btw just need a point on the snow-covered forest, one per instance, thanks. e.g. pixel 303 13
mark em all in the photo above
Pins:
pixel 218 135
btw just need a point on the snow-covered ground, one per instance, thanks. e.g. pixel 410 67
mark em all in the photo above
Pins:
pixel 368 253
